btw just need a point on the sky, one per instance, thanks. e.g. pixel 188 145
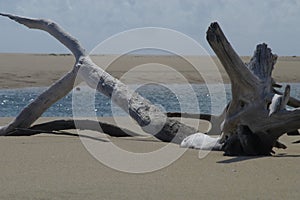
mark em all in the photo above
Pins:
pixel 245 23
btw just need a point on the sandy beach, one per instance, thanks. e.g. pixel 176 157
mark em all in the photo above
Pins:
pixel 48 166
pixel 59 167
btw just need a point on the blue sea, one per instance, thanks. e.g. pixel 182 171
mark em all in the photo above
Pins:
pixel 193 98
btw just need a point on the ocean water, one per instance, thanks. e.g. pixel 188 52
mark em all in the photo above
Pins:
pixel 194 98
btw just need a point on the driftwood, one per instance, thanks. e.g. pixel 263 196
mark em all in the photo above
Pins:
pixel 256 109
pixel 103 127
pixel 250 125
pixel 59 125
pixel 148 116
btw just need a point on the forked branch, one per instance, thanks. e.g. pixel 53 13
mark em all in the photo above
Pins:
pixel 149 117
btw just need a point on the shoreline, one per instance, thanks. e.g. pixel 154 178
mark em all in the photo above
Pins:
pixel 27 70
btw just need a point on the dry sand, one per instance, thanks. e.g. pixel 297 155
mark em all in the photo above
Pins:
pixel 59 167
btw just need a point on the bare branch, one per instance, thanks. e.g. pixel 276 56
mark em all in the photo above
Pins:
pixel 39 105
pixel 53 29
pixel 58 125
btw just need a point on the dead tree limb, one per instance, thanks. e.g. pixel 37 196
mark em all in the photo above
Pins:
pixel 148 116
pixel 59 125
pixel 81 124
pixel 56 91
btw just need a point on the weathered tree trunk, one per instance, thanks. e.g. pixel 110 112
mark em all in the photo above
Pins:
pixel 255 107
pixel 148 116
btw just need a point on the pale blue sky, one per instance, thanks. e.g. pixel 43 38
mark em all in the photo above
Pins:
pixel 245 23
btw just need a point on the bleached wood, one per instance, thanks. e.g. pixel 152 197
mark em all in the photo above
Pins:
pixel 57 90
pixel 39 105
pixel 151 119
pixel 53 29
pixel 279 102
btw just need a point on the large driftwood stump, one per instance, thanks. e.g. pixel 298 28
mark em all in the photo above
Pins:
pixel 256 116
